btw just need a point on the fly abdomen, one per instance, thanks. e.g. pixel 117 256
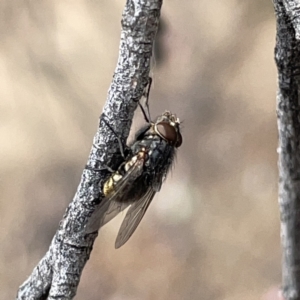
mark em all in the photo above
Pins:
pixel 109 185
pixel 127 172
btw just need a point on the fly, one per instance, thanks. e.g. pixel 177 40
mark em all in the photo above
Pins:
pixel 140 176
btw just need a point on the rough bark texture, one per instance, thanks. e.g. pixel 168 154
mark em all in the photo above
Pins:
pixel 57 275
pixel 287 55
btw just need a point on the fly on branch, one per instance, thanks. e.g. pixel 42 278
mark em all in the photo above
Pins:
pixel 145 165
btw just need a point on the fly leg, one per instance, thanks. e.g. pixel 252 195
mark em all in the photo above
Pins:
pixel 146 108
pixel 123 150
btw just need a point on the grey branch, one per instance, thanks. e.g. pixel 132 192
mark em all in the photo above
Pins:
pixel 287 55
pixel 58 273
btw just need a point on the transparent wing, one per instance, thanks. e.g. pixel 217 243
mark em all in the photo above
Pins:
pixel 133 218
pixel 113 204
pixel 113 209
pixel 106 211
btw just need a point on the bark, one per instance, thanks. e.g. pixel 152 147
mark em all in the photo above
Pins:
pixel 58 273
pixel 287 56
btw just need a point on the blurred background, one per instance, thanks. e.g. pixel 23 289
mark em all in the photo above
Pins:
pixel 213 230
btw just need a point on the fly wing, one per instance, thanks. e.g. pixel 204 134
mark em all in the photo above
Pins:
pixel 112 205
pixel 106 211
pixel 133 218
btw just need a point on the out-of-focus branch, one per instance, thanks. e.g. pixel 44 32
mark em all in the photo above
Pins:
pixel 287 55
pixel 57 275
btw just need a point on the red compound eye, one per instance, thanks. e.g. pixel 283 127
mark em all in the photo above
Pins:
pixel 179 140
pixel 169 133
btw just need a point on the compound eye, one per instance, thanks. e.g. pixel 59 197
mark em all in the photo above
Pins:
pixel 179 140
pixel 169 133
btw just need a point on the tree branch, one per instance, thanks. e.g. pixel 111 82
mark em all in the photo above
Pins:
pixel 287 55
pixel 57 275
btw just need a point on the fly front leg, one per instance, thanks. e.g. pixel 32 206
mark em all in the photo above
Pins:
pixel 123 148
pixel 145 109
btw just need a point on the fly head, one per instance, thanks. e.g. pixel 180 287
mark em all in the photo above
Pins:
pixel 167 126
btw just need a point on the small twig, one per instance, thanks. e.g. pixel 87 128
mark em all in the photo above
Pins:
pixel 287 55
pixel 57 275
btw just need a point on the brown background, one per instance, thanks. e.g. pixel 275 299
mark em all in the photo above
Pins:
pixel 213 231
